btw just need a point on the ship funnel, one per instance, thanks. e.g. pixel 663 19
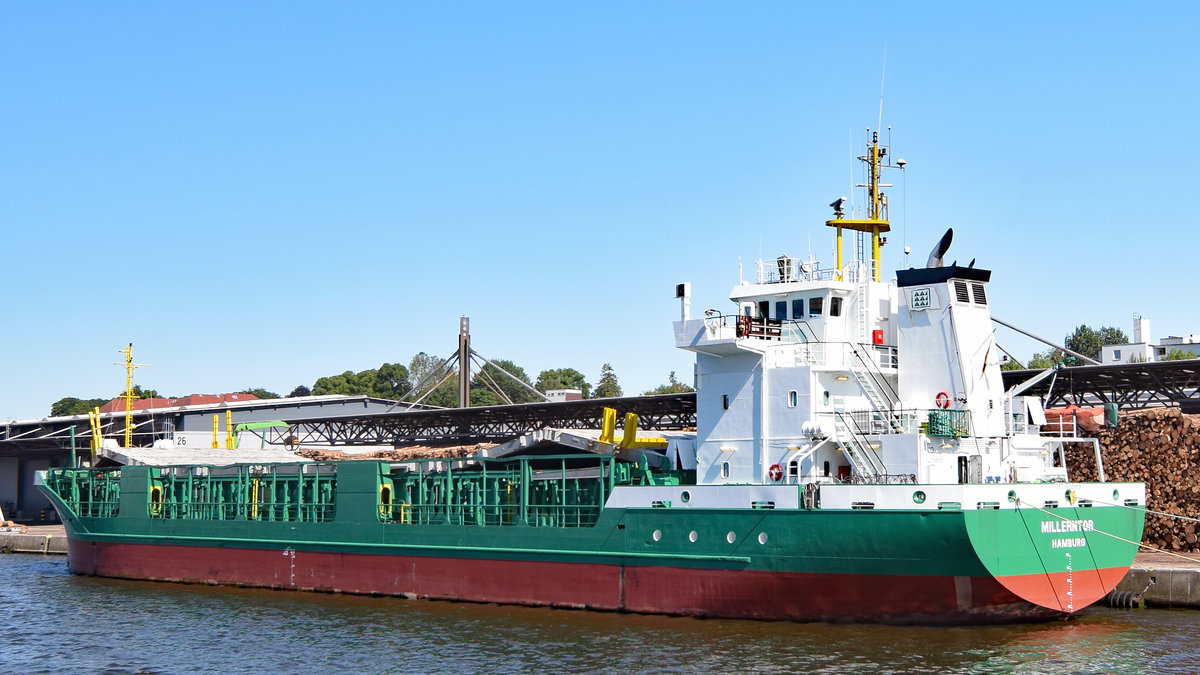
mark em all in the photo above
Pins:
pixel 935 256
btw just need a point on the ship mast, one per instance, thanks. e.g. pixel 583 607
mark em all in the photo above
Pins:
pixel 130 366
pixel 876 221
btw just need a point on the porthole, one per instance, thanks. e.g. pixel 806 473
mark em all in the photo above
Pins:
pixel 919 497
pixel 657 535
pixel 693 536
pixel 762 537
pixel 731 537
pixel 685 496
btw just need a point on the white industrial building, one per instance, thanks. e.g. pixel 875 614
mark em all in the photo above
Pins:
pixel 1142 351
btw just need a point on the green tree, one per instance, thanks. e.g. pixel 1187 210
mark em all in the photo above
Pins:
pixel 300 391
pixel 389 380
pixel 608 386
pixel 1084 340
pixel 1112 336
pixel 673 386
pixel 515 392
pixel 1047 359
pixel 260 393
pixel 422 365
pixel 1010 364
pixel 138 392
pixel 75 406
pixel 1177 354
pixel 562 378
pixel 1088 341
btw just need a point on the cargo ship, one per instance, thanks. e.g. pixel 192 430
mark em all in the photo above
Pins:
pixel 856 458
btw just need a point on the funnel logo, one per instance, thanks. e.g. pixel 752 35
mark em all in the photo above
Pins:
pixel 921 298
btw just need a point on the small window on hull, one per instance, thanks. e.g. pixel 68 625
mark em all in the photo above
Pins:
pixel 725 401
pixel 724 469
pixel 792 396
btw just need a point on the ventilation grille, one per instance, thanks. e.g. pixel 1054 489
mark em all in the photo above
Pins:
pixel 980 297
pixel 960 291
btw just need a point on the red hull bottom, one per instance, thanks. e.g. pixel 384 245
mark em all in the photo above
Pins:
pixel 737 594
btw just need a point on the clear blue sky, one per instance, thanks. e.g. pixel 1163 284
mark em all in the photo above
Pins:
pixel 260 194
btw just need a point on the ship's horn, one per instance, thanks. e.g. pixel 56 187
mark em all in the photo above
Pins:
pixel 935 256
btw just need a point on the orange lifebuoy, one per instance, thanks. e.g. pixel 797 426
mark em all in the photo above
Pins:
pixel 942 400
pixel 775 472
pixel 743 326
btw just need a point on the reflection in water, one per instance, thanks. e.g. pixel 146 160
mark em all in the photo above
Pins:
pixel 65 621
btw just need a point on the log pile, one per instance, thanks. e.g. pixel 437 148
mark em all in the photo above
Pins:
pixel 1161 448
pixel 396 454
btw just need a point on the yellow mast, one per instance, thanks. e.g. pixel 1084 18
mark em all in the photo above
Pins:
pixel 876 221
pixel 130 366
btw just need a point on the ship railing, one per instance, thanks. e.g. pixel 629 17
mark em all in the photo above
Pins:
pixel 901 420
pixel 786 269
pixel 88 493
pixel 1060 426
pixel 537 491
pixel 852 356
pixel 284 493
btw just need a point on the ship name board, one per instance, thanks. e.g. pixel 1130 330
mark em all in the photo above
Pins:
pixel 1073 542
pixel 1059 526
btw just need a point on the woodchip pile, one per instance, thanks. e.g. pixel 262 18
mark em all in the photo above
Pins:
pixel 1160 447
pixel 396 454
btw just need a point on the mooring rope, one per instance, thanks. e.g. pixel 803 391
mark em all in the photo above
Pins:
pixel 1119 538
pixel 1147 510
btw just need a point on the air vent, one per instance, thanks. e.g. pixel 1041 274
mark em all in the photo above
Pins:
pixel 980 298
pixel 960 291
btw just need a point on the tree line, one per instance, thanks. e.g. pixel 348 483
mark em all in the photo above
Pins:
pixel 437 382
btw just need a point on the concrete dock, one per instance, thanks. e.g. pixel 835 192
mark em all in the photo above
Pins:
pixel 1176 580
pixel 44 539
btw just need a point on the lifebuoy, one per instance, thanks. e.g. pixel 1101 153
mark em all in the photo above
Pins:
pixel 942 400
pixel 775 473
pixel 743 326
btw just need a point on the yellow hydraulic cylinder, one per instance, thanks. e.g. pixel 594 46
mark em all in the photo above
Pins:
pixel 216 428
pixel 229 429
pixel 608 425
pixel 630 437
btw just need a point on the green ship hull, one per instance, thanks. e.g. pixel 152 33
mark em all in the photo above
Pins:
pixel 367 527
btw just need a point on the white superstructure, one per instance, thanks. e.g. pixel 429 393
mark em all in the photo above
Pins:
pixel 828 375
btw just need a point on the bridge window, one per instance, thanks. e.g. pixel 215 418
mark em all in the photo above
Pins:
pixel 781 310
pixel 764 309
pixel 835 306
pixel 798 309
pixel 815 306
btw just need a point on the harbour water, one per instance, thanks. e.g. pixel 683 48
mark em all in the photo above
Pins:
pixel 55 621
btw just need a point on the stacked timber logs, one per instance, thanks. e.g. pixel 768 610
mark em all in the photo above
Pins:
pixel 1160 447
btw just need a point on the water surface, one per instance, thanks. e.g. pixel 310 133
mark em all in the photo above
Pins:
pixel 57 621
